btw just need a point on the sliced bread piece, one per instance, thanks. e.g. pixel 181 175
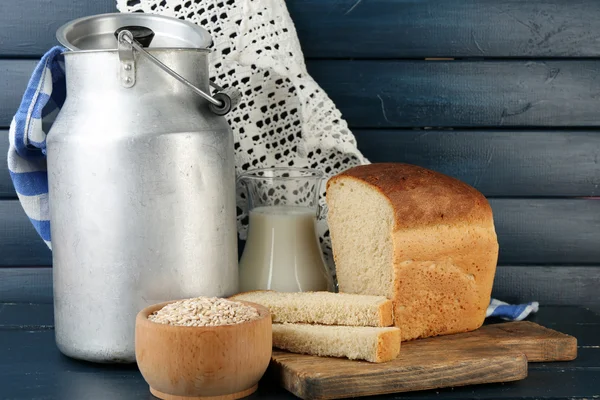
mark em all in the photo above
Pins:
pixel 324 308
pixel 354 342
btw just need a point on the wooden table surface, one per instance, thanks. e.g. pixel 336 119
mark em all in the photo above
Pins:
pixel 32 368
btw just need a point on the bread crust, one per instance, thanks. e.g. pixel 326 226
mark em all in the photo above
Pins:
pixel 388 346
pixel 422 197
pixel 386 314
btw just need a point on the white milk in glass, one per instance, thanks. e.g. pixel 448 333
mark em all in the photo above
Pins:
pixel 282 252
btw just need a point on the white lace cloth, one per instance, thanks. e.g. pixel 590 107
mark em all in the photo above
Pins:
pixel 285 118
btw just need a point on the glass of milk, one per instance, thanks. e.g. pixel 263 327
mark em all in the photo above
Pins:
pixel 282 252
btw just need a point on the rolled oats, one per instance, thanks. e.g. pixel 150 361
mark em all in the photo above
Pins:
pixel 204 311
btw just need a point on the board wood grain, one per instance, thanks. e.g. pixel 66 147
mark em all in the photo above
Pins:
pixel 14 75
pixel 412 94
pixel 549 285
pixel 493 353
pixel 304 376
pixel 498 162
pixel 20 245
pixel 29 26
pixel 499 93
pixel 380 28
pixel 508 163
pixel 26 285
pixel 446 28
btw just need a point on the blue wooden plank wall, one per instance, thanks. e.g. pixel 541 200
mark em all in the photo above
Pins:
pixel 503 94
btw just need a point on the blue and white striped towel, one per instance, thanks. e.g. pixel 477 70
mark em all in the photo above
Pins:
pixel 511 312
pixel 43 98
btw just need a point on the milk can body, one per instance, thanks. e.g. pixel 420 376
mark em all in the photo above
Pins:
pixel 142 198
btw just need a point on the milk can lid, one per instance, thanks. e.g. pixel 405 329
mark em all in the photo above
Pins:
pixel 97 32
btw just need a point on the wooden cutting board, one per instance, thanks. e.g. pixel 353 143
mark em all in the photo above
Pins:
pixel 493 353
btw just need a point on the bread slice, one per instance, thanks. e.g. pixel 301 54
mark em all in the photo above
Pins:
pixel 423 239
pixel 354 342
pixel 324 308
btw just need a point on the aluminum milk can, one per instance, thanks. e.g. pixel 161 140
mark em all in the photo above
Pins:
pixel 141 180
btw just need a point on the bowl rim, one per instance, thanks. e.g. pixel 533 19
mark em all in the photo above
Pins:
pixel 142 317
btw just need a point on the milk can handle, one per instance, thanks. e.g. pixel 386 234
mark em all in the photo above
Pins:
pixel 220 103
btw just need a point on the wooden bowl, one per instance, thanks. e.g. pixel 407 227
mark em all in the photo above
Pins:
pixel 213 362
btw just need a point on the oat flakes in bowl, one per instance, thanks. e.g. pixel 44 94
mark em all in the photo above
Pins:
pixel 204 311
pixel 203 347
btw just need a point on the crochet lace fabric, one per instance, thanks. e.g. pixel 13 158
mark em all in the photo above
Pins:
pixel 284 118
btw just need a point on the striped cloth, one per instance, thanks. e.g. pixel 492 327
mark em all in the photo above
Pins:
pixel 43 98
pixel 511 312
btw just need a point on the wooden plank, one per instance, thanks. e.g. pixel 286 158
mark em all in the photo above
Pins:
pixel 26 316
pixel 538 343
pixel 386 94
pixel 319 378
pixel 19 242
pixel 549 285
pixel 36 313
pixel 484 356
pixel 497 162
pixel 29 26
pixel 7 190
pixel 554 163
pixel 547 231
pixel 568 385
pixel 14 75
pixel 561 316
pixel 530 231
pixel 371 28
pixel 448 28
pixel 31 368
pixel 26 285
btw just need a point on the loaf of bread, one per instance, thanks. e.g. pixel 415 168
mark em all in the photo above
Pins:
pixel 423 239
pixel 324 307
pixel 354 342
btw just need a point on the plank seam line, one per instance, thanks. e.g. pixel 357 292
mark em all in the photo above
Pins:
pixel 26 328
pixel 451 58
